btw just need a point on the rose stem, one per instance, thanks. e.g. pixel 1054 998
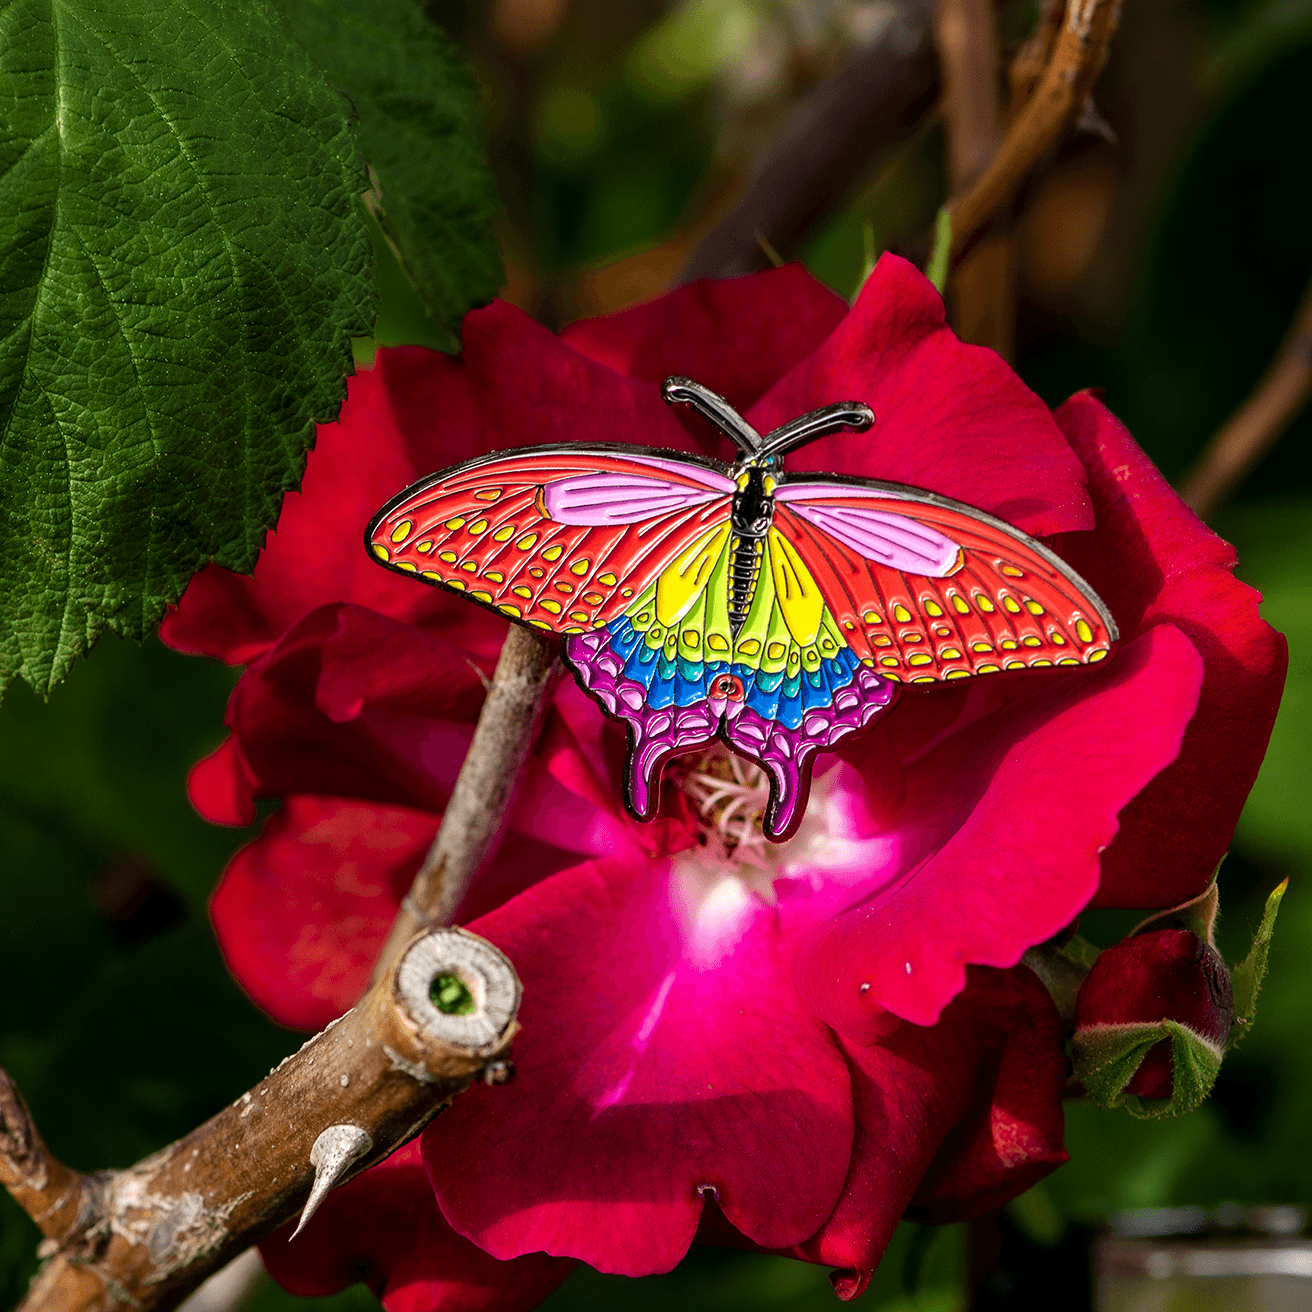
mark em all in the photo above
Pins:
pixel 1253 429
pixel 517 697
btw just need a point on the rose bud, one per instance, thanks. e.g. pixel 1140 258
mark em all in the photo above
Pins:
pixel 1169 974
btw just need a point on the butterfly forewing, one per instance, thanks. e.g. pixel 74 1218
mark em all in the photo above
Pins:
pixel 1002 602
pixel 487 530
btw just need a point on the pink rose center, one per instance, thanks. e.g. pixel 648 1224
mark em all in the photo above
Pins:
pixel 736 875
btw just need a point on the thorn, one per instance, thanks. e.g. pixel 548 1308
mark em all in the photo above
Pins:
pixel 499 1072
pixel 333 1152
pixel 1092 121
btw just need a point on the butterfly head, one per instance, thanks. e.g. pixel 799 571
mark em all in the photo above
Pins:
pixel 766 453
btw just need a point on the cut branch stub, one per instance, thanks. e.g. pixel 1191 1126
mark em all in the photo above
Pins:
pixel 145 1237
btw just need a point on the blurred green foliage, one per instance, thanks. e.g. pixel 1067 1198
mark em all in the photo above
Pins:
pixel 121 1024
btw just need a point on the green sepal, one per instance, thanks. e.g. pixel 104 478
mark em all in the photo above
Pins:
pixel 1246 977
pixel 1198 915
pixel 1106 1057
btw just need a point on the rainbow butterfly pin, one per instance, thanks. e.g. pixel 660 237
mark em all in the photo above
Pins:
pixel 777 612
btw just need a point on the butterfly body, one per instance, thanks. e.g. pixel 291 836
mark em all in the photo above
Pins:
pixel 700 601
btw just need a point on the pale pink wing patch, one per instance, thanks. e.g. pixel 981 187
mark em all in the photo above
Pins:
pixel 853 516
pixel 630 497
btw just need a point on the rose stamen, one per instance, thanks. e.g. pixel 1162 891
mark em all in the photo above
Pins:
pixel 732 794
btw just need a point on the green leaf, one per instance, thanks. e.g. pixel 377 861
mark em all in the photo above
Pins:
pixel 432 192
pixel 183 262
pixel 1106 1057
pixel 1247 976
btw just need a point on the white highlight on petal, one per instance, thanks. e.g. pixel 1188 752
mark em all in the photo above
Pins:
pixel 720 888
pixel 638 1044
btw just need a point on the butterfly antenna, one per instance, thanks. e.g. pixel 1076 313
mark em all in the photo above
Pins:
pixel 798 432
pixel 683 391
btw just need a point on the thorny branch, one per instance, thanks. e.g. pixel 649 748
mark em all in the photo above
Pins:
pixel 1253 429
pixel 144 1237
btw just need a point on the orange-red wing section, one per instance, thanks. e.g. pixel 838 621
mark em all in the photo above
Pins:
pixel 1007 605
pixel 483 530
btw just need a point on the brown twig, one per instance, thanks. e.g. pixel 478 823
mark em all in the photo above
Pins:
pixel 966 36
pixel 981 292
pixel 516 699
pixel 870 106
pixel 144 1237
pixel 1253 429
pixel 1060 96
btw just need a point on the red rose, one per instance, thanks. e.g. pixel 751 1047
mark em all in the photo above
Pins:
pixel 811 1035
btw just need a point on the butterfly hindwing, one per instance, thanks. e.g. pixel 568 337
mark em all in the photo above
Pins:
pixel 562 538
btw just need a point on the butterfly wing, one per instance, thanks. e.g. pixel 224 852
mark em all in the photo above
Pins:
pixel 928 589
pixel 559 537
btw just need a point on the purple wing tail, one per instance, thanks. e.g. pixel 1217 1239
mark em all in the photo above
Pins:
pixel 787 755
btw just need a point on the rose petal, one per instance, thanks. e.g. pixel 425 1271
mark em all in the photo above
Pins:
pixel 949 418
pixel 988 1076
pixel 302 913
pixel 1153 561
pixel 384 1228
pixel 387 436
pixel 1011 813
pixel 531 387
pixel 643 1083
pixel 1010 1135
pixel 733 335
pixel 302 725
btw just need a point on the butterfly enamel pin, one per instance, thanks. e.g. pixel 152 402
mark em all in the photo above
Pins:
pixel 777 612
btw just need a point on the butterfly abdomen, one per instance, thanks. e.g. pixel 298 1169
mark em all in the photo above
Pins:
pixel 744 573
pixel 751 517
